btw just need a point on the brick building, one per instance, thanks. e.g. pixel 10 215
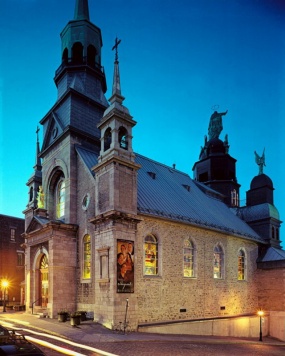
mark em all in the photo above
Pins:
pixel 12 258
pixel 104 224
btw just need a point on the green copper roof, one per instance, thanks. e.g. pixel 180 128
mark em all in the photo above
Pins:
pixel 81 10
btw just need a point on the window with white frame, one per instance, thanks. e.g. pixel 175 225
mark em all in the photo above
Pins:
pixel 241 265
pixel 218 262
pixel 150 255
pixel 188 258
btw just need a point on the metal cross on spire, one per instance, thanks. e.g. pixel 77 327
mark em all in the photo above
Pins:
pixel 117 42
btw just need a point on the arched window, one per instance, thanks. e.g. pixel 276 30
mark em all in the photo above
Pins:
pixel 150 255
pixel 188 258
pixel 107 139
pixel 218 262
pixel 60 199
pixel 241 265
pixel 91 54
pixel 277 234
pixel 77 53
pixel 65 56
pixel 86 257
pixel 31 194
pixel 123 138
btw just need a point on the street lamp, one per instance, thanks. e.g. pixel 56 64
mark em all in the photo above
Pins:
pixel 4 284
pixel 260 313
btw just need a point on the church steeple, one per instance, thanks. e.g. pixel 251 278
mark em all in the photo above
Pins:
pixel 81 10
pixel 117 123
pixel 116 88
pixel 34 184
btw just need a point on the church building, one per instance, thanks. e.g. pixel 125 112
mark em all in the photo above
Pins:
pixel 106 228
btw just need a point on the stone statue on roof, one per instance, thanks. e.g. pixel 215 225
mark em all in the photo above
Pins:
pixel 260 160
pixel 216 124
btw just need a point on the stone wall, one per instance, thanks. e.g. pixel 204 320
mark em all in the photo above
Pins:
pixel 170 296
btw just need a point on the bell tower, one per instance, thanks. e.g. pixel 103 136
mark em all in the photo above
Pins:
pixel 115 207
pixel 216 168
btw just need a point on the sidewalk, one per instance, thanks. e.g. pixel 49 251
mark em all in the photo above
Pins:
pixel 89 332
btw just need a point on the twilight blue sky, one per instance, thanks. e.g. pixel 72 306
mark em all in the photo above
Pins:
pixel 178 58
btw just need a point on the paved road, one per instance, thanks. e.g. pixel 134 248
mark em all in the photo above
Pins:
pixel 137 344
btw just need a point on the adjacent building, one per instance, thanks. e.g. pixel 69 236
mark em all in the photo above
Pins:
pixel 12 259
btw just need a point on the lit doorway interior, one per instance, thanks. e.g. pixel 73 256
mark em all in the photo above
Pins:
pixel 44 281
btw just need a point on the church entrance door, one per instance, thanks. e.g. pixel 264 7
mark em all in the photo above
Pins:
pixel 44 281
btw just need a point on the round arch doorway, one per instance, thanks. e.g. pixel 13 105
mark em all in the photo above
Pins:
pixel 43 281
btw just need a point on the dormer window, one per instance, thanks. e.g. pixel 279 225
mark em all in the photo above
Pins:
pixel 152 175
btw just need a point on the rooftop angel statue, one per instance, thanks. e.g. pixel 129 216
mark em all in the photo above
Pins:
pixel 260 160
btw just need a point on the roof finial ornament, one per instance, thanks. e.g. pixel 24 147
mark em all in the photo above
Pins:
pixel 116 45
pixel 260 160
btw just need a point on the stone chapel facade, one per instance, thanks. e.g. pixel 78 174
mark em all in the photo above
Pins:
pixel 104 225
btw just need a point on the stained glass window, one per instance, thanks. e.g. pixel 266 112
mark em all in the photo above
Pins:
pixel 218 262
pixel 188 259
pixel 86 257
pixel 241 265
pixel 60 201
pixel 150 255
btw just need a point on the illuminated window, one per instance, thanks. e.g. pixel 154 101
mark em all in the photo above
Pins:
pixel 150 255
pixel 218 262
pixel 241 265
pixel 86 256
pixel 20 259
pixel 60 199
pixel 188 258
pixel 12 236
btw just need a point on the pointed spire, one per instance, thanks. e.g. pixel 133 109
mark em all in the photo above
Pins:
pixel 116 89
pixel 38 165
pixel 81 10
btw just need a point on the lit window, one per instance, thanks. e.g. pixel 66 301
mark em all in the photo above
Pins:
pixel 12 236
pixel 20 259
pixel 218 262
pixel 188 259
pixel 60 199
pixel 151 255
pixel 86 256
pixel 241 265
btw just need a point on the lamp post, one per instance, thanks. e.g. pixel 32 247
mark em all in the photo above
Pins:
pixel 260 313
pixel 4 284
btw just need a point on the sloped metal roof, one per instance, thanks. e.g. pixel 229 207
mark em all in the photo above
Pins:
pixel 90 158
pixel 273 254
pixel 260 211
pixel 168 193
